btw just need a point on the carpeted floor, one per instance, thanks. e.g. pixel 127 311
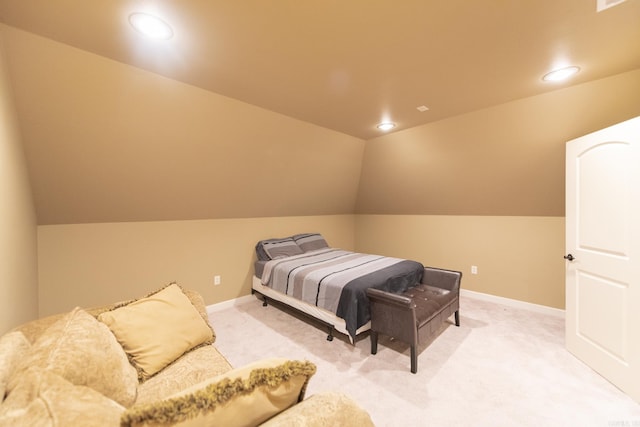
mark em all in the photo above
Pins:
pixel 502 367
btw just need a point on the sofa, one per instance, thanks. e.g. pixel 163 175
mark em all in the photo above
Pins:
pixel 152 362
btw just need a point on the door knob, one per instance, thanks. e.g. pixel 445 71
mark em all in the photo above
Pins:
pixel 569 257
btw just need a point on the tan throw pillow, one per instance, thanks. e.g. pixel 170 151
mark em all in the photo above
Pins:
pixel 158 329
pixel 84 352
pixel 198 302
pixel 13 348
pixel 243 397
pixel 42 398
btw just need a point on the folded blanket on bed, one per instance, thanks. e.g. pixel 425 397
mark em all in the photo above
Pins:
pixel 337 280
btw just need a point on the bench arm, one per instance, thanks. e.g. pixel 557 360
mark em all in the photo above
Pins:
pixel 441 278
pixel 389 298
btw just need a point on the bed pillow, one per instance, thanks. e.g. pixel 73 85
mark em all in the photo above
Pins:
pixel 277 248
pixel 310 241
pixel 158 329
pixel 246 396
pixel 84 352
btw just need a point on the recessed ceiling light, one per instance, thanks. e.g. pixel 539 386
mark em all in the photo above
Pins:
pixel 151 26
pixel 386 126
pixel 605 4
pixel 560 74
pixel 422 108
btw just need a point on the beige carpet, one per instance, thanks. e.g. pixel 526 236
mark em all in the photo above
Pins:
pixel 502 367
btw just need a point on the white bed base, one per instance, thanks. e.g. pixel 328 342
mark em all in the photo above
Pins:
pixel 321 314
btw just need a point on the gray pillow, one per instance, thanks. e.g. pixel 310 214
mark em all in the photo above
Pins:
pixel 277 248
pixel 310 241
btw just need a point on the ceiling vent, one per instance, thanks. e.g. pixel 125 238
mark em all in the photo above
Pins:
pixel 606 4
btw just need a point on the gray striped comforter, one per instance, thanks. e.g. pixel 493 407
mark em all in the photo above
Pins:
pixel 336 280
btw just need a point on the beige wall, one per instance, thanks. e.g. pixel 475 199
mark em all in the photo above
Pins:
pixel 94 264
pixel 18 263
pixel 517 257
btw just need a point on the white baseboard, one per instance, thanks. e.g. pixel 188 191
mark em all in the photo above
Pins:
pixel 229 303
pixel 556 312
pixel 551 311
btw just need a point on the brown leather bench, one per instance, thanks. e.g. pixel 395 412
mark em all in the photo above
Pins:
pixel 417 314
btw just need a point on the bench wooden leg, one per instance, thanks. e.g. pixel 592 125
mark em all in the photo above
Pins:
pixel 414 360
pixel 374 342
pixel 457 317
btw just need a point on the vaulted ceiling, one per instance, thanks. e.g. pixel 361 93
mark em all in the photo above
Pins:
pixel 266 108
pixel 347 65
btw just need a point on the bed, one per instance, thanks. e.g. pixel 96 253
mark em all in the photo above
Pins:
pixel 302 272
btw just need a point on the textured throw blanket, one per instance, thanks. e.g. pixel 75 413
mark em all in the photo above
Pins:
pixel 337 280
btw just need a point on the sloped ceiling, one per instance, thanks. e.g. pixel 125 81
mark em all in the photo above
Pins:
pixel 108 142
pixel 263 108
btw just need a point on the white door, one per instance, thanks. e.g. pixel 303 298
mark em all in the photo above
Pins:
pixel 603 253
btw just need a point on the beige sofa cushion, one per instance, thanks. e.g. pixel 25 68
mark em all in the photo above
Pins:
pixel 242 397
pixel 84 352
pixel 158 329
pixel 43 398
pixel 322 410
pixel 13 348
pixel 194 367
